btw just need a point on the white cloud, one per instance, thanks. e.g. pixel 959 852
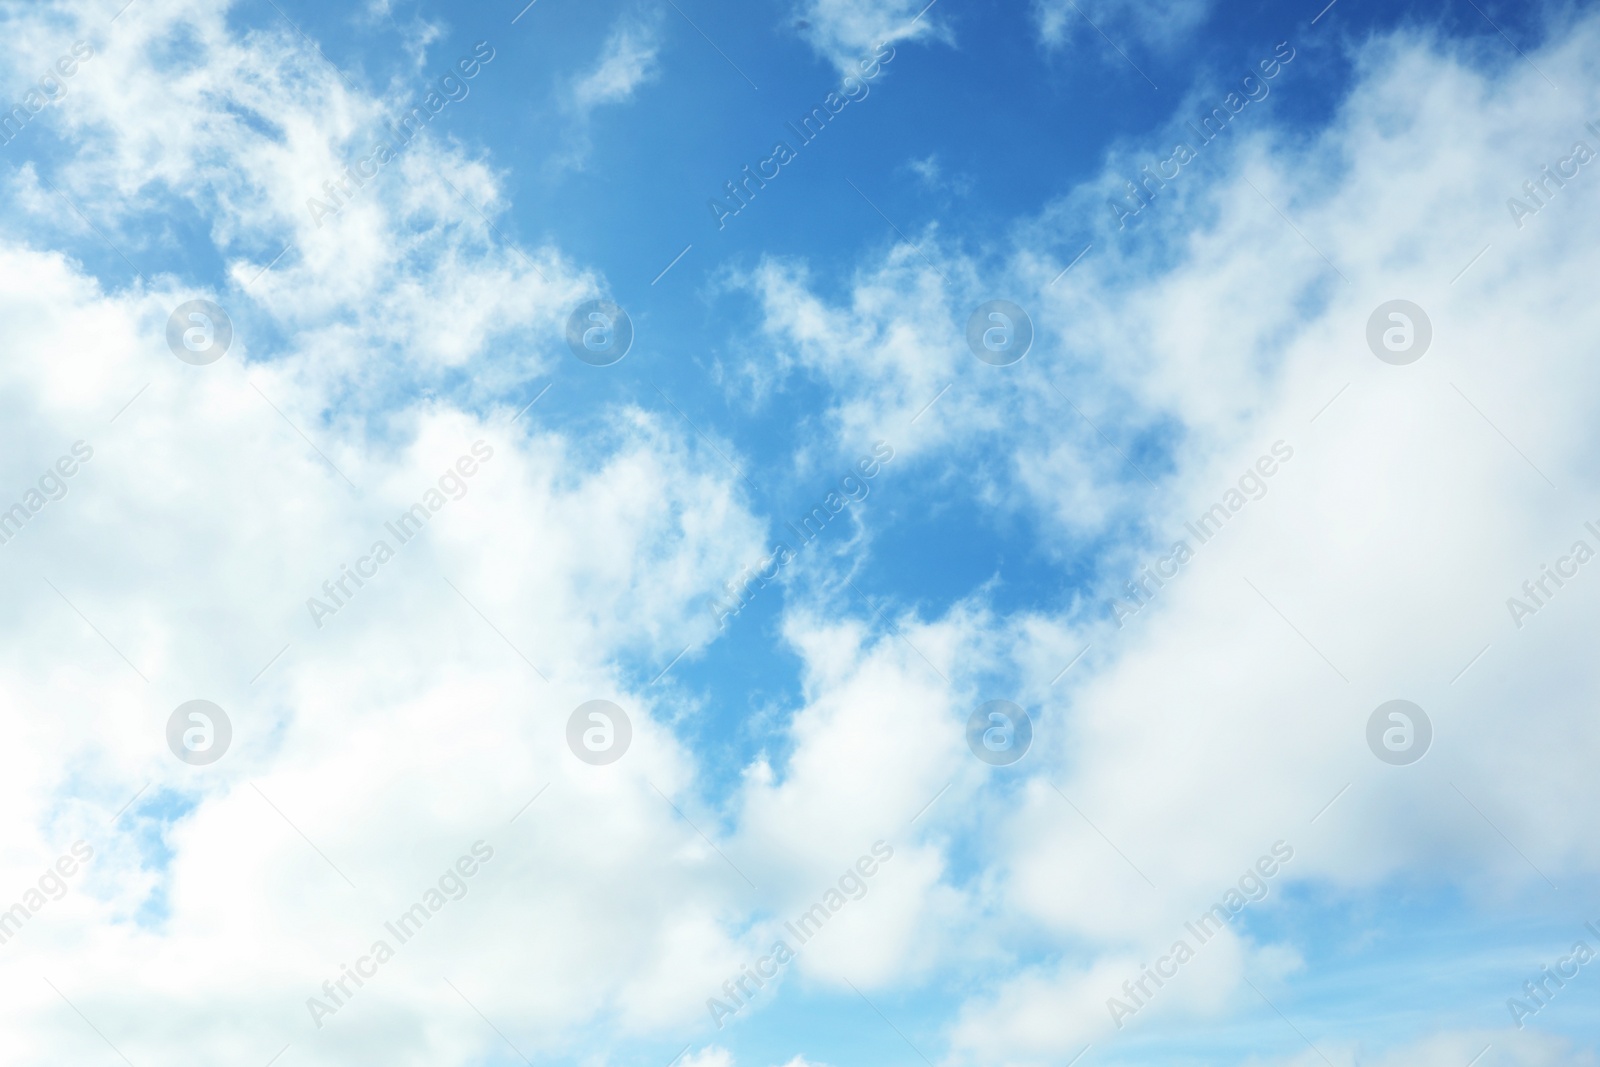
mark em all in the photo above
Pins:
pixel 394 736
pixel 627 61
pixel 411 725
pixel 848 31
pixel 1524 1049
pixel 931 173
pixel 927 169
pixel 710 1056
pixel 1158 23
pixel 1210 727
pixel 413 722
pixel 247 133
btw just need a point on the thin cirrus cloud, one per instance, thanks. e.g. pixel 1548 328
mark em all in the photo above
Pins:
pixel 1160 23
pixel 627 61
pixel 844 32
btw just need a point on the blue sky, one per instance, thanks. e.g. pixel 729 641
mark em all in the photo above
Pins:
pixel 1225 322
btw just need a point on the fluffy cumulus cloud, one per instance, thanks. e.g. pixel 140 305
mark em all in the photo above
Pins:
pixel 1221 708
pixel 399 772
pixel 199 541
pixel 349 220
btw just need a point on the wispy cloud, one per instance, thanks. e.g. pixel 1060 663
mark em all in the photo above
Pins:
pixel 845 30
pixel 627 61
pixel 1109 24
